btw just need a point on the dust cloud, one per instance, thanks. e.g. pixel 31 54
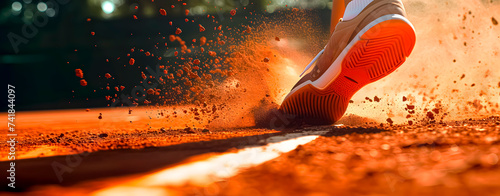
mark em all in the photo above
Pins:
pixel 453 68
pixel 452 73
pixel 266 65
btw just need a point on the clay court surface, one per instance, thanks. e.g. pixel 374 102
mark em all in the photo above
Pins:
pixel 451 158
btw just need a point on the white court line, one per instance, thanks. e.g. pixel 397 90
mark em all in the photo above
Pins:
pixel 215 168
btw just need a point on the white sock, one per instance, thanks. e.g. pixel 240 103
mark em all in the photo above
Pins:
pixel 354 8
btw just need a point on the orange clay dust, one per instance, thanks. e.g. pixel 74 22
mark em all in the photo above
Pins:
pixel 228 76
pixel 452 73
pixel 231 81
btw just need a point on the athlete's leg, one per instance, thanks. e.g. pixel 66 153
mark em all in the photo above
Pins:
pixel 338 9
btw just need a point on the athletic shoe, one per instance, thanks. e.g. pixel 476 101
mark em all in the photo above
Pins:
pixel 371 41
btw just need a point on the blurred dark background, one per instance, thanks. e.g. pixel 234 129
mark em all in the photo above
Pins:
pixel 43 42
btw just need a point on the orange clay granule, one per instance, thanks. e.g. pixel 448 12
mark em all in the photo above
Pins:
pixel 178 31
pixel 203 41
pixel 79 73
pixel 163 12
pixel 83 82
pixel 212 53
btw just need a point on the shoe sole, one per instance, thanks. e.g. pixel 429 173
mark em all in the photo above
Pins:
pixel 376 53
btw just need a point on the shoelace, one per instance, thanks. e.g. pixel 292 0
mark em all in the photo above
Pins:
pixel 312 62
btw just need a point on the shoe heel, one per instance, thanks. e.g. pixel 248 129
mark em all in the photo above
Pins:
pixel 379 52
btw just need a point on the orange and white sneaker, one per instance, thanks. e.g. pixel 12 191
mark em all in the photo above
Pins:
pixel 371 41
